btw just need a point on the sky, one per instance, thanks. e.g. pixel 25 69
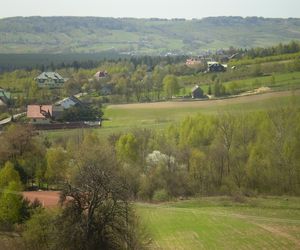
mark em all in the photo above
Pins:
pixel 151 8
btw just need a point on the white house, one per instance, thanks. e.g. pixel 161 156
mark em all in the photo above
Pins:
pixel 50 79
pixel 68 102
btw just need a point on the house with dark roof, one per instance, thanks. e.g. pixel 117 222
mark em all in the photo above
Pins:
pixel 50 80
pixel 197 92
pixel 216 67
pixel 69 102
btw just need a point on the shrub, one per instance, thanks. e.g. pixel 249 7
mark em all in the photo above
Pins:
pixel 160 195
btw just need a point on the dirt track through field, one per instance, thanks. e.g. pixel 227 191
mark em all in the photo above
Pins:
pixel 205 103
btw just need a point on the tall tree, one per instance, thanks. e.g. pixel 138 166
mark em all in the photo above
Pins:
pixel 171 86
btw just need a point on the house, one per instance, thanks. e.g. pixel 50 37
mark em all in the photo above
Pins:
pixel 216 67
pixel 4 97
pixel 197 92
pixel 69 102
pixel 193 62
pixel 50 80
pixel 39 113
pixel 100 74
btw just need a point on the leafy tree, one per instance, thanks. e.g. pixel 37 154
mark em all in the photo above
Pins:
pixel 57 165
pixel 158 76
pixel 97 214
pixel 11 204
pixel 16 141
pixel 127 147
pixel 137 80
pixel 82 113
pixel 40 231
pixel 8 174
pixel 219 89
pixel 171 86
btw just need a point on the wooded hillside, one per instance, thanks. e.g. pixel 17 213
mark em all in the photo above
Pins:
pixel 141 36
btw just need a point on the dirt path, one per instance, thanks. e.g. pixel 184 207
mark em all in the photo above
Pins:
pixel 205 103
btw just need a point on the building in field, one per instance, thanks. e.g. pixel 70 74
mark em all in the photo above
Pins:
pixel 50 80
pixel 216 67
pixel 197 92
pixel 193 62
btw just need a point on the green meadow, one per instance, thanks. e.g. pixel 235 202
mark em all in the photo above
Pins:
pixel 159 115
pixel 122 118
pixel 222 223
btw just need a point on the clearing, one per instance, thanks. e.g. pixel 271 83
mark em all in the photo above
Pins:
pixel 47 198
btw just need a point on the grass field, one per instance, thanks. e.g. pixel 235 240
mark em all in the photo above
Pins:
pixel 221 223
pixel 161 114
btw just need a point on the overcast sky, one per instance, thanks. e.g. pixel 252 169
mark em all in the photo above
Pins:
pixel 150 8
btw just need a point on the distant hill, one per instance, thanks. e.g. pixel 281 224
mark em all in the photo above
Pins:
pixel 142 36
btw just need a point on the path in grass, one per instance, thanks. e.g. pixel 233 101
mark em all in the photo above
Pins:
pixel 192 225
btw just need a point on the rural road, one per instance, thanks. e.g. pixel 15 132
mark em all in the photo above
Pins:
pixel 8 120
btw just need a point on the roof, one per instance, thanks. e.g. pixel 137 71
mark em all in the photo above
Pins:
pixel 195 88
pixel 34 111
pixel 51 75
pixel 2 103
pixel 72 98
pixel 75 99
pixel 101 74
pixel 4 93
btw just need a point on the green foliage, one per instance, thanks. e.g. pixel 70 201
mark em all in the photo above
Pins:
pixel 126 148
pixel 8 174
pixel 171 86
pixel 40 231
pixel 10 204
pixel 81 113
pixel 160 195
pixel 219 89
pixel 57 165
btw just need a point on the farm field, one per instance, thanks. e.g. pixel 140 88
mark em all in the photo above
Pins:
pixel 125 117
pixel 163 113
pixel 221 223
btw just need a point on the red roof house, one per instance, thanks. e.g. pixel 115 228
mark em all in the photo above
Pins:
pixel 39 113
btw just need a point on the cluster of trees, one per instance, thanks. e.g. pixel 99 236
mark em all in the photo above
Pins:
pixel 292 47
pixel 82 113
pixel 247 153
pixel 255 152
pixel 96 212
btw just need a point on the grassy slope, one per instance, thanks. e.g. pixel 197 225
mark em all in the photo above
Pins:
pixel 160 114
pixel 219 223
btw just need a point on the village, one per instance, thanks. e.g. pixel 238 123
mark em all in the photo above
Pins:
pixel 72 112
